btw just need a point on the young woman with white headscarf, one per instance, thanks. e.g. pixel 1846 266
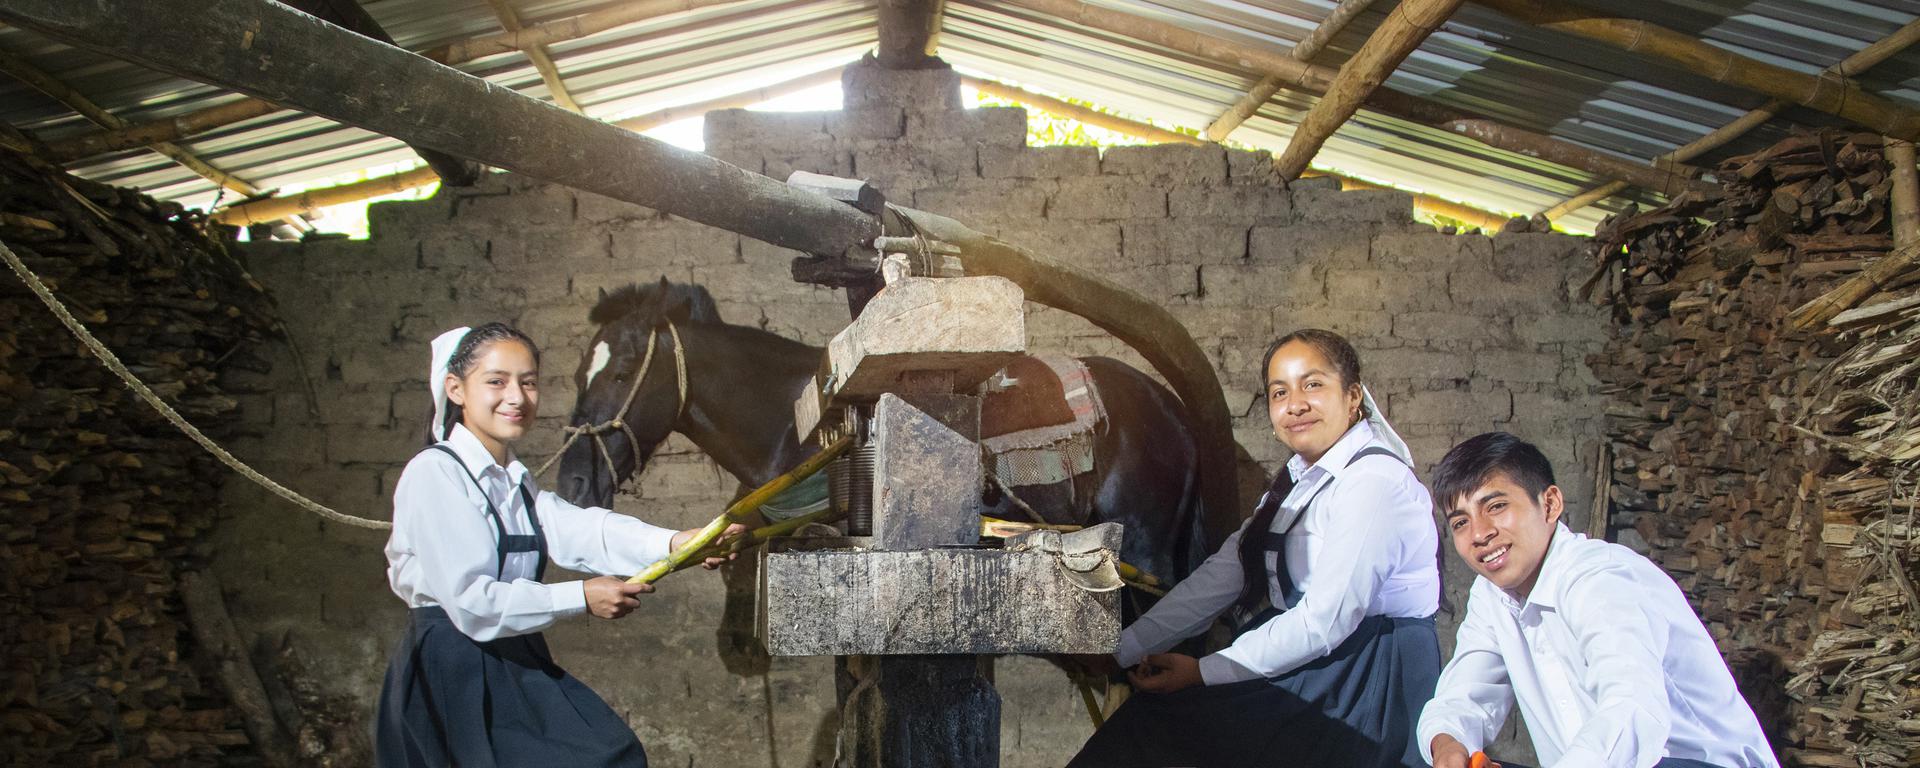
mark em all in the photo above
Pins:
pixel 472 682
pixel 1342 555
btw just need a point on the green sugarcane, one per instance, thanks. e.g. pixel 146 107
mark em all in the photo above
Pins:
pixel 738 510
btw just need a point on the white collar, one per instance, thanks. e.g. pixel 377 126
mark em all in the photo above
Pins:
pixel 478 460
pixel 1336 458
pixel 1546 585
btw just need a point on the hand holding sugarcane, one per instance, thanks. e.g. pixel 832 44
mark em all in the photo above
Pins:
pixel 720 553
pixel 700 543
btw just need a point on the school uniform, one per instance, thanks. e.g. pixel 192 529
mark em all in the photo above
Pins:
pixel 1336 673
pixel 1610 667
pixel 472 683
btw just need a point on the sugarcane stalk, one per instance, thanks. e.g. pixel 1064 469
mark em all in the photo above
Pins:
pixel 763 534
pixel 738 511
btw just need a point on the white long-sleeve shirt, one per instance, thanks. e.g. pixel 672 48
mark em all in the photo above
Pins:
pixel 1365 547
pixel 1609 664
pixel 442 550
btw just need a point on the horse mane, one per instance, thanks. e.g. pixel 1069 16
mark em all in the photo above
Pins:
pixel 656 302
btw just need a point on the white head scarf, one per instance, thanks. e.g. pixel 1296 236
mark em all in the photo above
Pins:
pixel 443 347
pixel 1383 431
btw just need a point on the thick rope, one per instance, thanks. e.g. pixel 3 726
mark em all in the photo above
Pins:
pixel 113 363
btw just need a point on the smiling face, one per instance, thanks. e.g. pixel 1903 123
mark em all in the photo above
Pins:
pixel 499 396
pixel 1308 403
pixel 1503 532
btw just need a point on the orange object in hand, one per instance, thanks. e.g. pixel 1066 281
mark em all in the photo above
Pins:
pixel 1479 760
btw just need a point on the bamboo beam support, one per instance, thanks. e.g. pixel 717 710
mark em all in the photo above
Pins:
pixel 1425 203
pixel 1311 78
pixel 1405 28
pixel 1303 52
pixel 1856 289
pixel 1905 195
pixel 61 92
pixel 452 54
pixel 290 205
pixel 537 53
pixel 165 130
pixel 270 209
pixel 1861 61
pixel 1832 95
pixel 1669 179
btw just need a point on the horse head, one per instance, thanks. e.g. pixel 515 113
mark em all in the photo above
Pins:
pixel 631 385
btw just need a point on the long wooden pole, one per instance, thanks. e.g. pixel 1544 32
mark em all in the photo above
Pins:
pixel 1831 95
pixel 1426 203
pixel 461 52
pixel 273 208
pixel 1865 59
pixel 1905 193
pixel 1405 28
pixel 1303 52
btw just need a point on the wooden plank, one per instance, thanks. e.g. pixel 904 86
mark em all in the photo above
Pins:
pixel 1405 28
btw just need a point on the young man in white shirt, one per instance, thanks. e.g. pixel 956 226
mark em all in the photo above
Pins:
pixel 1609 664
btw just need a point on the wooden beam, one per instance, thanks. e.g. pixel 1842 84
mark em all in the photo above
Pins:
pixel 909 33
pixel 1832 95
pixel 1405 28
pixel 350 16
pixel 1905 193
pixel 537 53
pixel 1311 78
pixel 1303 52
pixel 450 54
pixel 1865 59
pixel 1670 179
pixel 1424 203
pixel 61 92
pixel 267 210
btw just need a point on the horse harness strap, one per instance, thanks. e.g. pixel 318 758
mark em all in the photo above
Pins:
pixel 619 420
pixel 1276 542
pixel 535 542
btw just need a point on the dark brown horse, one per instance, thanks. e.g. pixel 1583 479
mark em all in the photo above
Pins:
pixel 740 385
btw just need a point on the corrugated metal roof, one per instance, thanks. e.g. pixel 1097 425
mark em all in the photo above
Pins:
pixel 1480 61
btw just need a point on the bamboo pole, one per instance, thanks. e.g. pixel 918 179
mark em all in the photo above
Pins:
pixel 1867 58
pixel 1905 195
pixel 1669 179
pixel 537 53
pixel 168 129
pixel 1828 94
pixel 1406 27
pixel 738 511
pixel 1303 52
pixel 1856 289
pixel 456 53
pixel 272 208
pixel 1426 203
pixel 61 92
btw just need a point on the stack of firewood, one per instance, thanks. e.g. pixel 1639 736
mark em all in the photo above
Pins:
pixel 104 501
pixel 1718 470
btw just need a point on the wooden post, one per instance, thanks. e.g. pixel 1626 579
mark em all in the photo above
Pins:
pixel 214 632
pixel 1905 194
pixel 1859 62
pixel 1827 94
pixel 1405 28
pixel 909 33
pixel 1303 52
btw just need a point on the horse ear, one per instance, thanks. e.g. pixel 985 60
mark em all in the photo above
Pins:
pixel 664 284
pixel 603 293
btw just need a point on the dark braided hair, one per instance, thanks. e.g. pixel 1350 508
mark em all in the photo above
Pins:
pixel 1346 364
pixel 467 353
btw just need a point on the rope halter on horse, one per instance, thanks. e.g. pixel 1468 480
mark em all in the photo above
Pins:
pixel 619 420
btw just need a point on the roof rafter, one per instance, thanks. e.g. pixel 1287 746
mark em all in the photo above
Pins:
pixel 537 53
pixel 1303 52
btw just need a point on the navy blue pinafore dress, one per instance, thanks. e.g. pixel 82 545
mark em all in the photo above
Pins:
pixel 1356 707
pixel 449 700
